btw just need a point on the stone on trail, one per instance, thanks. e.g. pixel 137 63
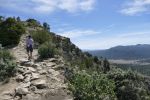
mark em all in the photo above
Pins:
pixel 27 78
pixel 26 63
pixel 36 65
pixel 31 69
pixel 21 91
pixel 42 72
pixel 25 85
pixel 19 78
pixel 35 76
pixel 40 84
pixel 51 64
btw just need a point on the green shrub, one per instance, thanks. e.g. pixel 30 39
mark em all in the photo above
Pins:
pixel 92 87
pixel 7 69
pixel 5 55
pixel 129 85
pixel 7 66
pixel 87 62
pixel 33 23
pixel 40 36
pixel 10 32
pixel 47 50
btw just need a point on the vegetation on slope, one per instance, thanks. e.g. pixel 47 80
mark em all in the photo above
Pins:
pixel 10 31
pixel 143 69
pixel 89 77
pixel 92 86
pixel 7 66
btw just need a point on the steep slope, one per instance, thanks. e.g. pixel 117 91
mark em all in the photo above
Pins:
pixel 35 80
pixel 139 51
pixel 88 77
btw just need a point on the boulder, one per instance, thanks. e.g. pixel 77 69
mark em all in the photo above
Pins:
pixel 35 76
pixel 33 88
pixel 27 78
pixel 53 60
pixel 40 84
pixel 51 64
pixel 21 91
pixel 25 85
pixel 43 72
pixel 17 98
pixel 19 78
pixel 36 65
pixel 31 69
pixel 53 72
pixel 39 68
pixel 21 69
pixel 31 97
pixel 26 63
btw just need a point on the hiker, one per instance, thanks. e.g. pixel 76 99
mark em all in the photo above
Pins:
pixel 29 46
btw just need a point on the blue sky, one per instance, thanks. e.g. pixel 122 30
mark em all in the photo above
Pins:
pixel 91 24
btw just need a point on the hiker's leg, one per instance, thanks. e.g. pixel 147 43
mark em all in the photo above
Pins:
pixel 28 52
pixel 31 55
pixel 31 50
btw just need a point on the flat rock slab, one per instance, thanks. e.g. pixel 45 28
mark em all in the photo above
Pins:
pixel 51 64
pixel 26 63
pixel 35 76
pixel 40 84
pixel 21 90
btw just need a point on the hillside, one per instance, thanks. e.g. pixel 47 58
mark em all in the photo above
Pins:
pixel 59 70
pixel 140 51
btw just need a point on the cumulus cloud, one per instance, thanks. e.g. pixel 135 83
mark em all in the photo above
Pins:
pixel 134 7
pixel 48 6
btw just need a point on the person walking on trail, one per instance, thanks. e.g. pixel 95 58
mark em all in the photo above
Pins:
pixel 29 46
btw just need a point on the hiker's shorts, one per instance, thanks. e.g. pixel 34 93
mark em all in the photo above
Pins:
pixel 29 49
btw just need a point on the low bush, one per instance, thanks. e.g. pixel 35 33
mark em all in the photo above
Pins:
pixel 7 69
pixel 129 85
pixel 5 55
pixel 40 36
pixel 47 50
pixel 10 32
pixel 7 66
pixel 33 23
pixel 92 87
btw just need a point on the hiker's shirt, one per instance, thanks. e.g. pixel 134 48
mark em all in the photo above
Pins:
pixel 29 42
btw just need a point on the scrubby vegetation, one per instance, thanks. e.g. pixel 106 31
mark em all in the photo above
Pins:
pixel 129 85
pixel 89 77
pixel 7 66
pixel 47 50
pixel 10 31
pixel 40 36
pixel 33 23
pixel 143 69
pixel 92 86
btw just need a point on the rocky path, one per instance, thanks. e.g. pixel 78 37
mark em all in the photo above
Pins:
pixel 35 80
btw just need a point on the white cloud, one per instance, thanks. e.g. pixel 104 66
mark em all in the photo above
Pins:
pixel 48 6
pixel 105 42
pixel 79 33
pixel 135 7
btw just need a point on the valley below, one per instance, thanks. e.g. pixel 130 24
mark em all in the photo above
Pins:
pixel 141 65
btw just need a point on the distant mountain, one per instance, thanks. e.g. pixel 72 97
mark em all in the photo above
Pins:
pixel 139 51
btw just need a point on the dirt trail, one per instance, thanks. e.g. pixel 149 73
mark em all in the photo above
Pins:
pixel 42 80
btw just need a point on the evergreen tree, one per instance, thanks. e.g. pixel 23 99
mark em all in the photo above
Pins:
pixel 1 19
pixel 18 19
pixel 106 65
pixel 46 26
